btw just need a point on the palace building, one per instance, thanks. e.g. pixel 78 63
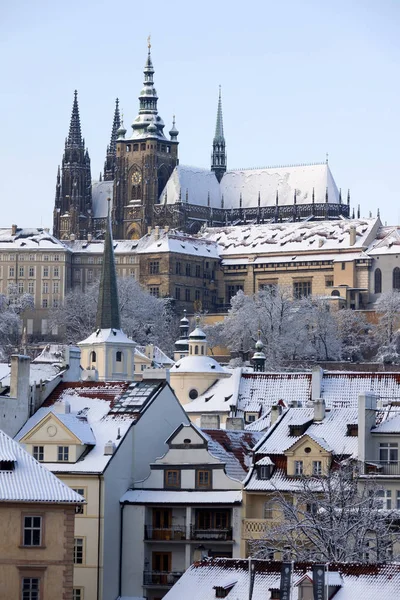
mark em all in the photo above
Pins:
pixel 149 187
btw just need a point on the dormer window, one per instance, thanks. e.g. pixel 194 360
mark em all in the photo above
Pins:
pixel 265 472
pixel 38 453
pixel 7 465
pixel 63 453
pixel 352 429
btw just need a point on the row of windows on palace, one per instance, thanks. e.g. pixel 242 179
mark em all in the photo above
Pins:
pixel 31 271
pixel 22 256
pixel 378 280
pixel 154 269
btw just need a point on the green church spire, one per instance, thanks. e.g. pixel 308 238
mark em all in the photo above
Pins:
pixel 108 316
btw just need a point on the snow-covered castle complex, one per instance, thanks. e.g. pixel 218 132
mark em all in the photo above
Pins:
pixel 149 187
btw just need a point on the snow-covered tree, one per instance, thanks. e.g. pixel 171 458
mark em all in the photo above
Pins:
pixel 338 517
pixel 322 328
pixel 144 318
pixel 355 334
pixel 387 330
pixel 12 307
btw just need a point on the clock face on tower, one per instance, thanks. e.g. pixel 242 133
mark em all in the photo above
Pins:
pixel 136 177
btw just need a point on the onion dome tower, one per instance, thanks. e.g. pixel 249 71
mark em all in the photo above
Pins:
pixel 182 345
pixel 218 158
pixel 259 357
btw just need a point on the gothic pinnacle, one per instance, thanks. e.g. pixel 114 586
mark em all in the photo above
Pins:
pixel 75 135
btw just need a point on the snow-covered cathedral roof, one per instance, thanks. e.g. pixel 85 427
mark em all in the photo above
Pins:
pixel 200 186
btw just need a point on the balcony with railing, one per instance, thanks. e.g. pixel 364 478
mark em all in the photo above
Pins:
pixel 379 467
pixel 255 529
pixel 221 535
pixel 161 578
pixel 165 534
pixel 179 533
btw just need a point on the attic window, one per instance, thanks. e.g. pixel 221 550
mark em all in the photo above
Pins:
pixel 298 430
pixel 352 429
pixel 187 441
pixel 221 591
pixel 264 472
pixel 7 465
pixel 275 594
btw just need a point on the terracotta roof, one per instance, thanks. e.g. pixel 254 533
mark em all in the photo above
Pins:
pixel 233 448
pixel 102 390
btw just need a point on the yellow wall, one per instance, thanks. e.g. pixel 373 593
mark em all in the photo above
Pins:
pixel 52 563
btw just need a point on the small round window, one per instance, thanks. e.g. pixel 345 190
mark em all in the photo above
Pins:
pixel 307 450
pixel 193 394
pixel 186 441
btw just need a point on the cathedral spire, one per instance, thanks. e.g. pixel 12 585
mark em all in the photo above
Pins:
pixel 108 316
pixel 218 159
pixel 109 165
pixel 75 136
pixel 148 122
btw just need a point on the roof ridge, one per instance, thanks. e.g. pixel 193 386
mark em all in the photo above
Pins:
pixel 310 164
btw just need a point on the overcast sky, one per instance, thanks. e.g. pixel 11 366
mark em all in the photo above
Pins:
pixel 299 78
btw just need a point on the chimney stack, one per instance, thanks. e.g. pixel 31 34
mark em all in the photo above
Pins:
pixel 89 237
pixel 13 229
pixel 367 405
pixel 209 422
pixel 319 409
pixel 353 235
pixel 157 233
pixel 234 424
pixel 276 411
pixel 19 384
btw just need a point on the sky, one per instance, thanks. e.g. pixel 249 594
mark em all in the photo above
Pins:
pixel 300 79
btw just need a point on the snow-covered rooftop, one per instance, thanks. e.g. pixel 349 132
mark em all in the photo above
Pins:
pixel 117 336
pixel 342 388
pixel 29 239
pixel 177 242
pixel 199 364
pixel 38 372
pixel 201 187
pixel 387 241
pixel 29 481
pixel 304 237
pixel 330 433
pixel 97 246
pixel 181 497
pixel 233 448
pixel 219 398
pixel 368 581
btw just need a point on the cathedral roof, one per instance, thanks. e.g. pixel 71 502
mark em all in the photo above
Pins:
pixel 198 184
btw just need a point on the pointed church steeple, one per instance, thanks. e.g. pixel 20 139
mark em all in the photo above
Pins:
pixel 75 135
pixel 218 160
pixel 108 316
pixel 109 165
pixel 73 204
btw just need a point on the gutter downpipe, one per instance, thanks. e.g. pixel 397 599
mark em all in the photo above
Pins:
pixel 98 539
pixel 121 538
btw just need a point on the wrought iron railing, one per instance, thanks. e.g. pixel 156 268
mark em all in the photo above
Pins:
pixel 162 578
pixel 164 534
pixel 379 467
pixel 210 534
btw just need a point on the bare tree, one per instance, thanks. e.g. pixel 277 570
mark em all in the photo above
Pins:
pixel 355 334
pixel 12 307
pixel 335 518
pixel 387 333
pixel 144 318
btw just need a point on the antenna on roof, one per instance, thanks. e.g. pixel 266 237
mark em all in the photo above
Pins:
pixel 327 158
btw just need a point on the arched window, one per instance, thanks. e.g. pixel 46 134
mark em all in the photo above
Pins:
pixel 93 356
pixel 190 349
pixel 118 357
pixel 196 349
pixel 378 281
pixel 396 278
pixel 335 293
pixel 202 349
pixel 136 192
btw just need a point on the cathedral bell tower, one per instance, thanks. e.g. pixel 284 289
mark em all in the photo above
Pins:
pixel 144 162
pixel 73 203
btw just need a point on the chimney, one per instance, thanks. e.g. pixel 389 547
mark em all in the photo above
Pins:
pixel 63 407
pixel 109 448
pixel 321 242
pixel 209 422
pixel 19 384
pixel 46 229
pixel 13 230
pixel 234 424
pixel 276 411
pixel 317 375
pixel 319 409
pixel 89 237
pixel 72 360
pixel 367 404
pixel 166 228
pixel 148 230
pixel 72 237
pixel 352 235
pixel 157 233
